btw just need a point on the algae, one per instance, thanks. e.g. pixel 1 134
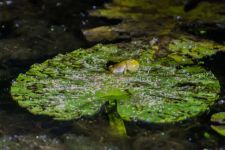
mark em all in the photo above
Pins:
pixel 79 83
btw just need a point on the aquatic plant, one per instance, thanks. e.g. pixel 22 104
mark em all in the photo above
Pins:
pixel 218 123
pixel 79 84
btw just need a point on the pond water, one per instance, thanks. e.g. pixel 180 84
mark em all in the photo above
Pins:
pixel 32 31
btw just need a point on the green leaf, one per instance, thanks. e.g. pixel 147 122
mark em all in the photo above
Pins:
pixel 219 129
pixel 219 120
pixel 158 92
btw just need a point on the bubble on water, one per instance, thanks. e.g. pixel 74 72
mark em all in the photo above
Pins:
pixel 58 4
pixel 52 28
pixel 8 2
pixel 3 26
pixel 82 14
pixel 64 28
pixel 190 139
pixel 221 102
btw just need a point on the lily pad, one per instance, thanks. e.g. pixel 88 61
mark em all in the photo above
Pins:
pixel 218 120
pixel 78 84
pixel 219 129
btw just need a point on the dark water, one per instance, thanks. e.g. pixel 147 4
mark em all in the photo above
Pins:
pixel 34 30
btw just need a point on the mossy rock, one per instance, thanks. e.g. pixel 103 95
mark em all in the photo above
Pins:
pixel 78 84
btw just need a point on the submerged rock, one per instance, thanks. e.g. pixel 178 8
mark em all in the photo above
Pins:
pixel 78 84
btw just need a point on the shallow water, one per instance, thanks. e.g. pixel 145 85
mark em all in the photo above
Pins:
pixel 32 31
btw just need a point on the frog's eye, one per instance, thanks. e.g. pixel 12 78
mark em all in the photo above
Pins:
pixel 110 63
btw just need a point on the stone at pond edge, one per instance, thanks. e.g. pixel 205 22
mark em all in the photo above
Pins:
pixel 78 84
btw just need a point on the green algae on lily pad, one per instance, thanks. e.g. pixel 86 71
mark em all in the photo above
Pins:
pixel 78 84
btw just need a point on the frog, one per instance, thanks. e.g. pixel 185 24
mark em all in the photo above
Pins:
pixel 130 65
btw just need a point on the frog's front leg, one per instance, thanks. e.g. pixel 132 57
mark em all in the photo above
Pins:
pixel 117 69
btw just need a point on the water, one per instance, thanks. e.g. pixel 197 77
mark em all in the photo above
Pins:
pixel 32 31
